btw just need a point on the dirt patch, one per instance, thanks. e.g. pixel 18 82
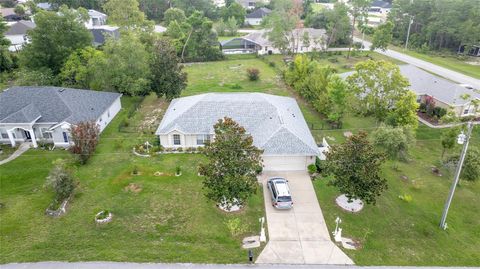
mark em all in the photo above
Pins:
pixel 133 187
pixel 162 174
pixel 404 178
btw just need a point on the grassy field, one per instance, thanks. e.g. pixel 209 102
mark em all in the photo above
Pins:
pixel 159 218
pixel 5 151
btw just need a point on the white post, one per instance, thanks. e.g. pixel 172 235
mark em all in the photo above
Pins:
pixel 10 136
pixel 34 140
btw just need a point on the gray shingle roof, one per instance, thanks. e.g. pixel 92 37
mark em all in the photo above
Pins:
pixel 101 33
pixel 20 28
pixel 260 37
pixel 53 104
pixel 425 83
pixel 259 13
pixel 275 122
pixel 382 4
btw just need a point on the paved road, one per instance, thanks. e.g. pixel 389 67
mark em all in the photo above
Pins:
pixel 299 235
pixel 441 71
pixel 121 265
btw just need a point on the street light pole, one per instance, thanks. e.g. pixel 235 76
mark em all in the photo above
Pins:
pixel 409 27
pixel 443 223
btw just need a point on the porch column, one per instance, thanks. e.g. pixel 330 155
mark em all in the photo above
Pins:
pixel 10 136
pixel 34 140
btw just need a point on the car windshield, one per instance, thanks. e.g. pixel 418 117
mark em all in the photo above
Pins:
pixel 284 198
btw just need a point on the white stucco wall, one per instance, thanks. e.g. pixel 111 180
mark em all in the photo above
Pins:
pixel 109 114
pixel 16 42
pixel 253 21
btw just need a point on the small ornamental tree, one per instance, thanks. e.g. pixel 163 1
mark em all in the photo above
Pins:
pixel 449 138
pixel 233 166
pixel 471 165
pixel 395 142
pixel 355 167
pixel 61 180
pixel 85 137
pixel 253 74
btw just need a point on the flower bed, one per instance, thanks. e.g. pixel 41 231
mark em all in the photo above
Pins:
pixel 103 216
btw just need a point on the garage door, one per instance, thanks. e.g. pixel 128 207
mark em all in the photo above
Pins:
pixel 285 163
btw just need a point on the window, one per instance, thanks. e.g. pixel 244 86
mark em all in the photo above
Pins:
pixel 45 133
pixel 201 139
pixel 465 112
pixel 4 133
pixel 176 139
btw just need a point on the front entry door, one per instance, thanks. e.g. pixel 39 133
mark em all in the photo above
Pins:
pixel 27 135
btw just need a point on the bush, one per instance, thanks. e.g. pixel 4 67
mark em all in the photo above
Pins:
pixel 318 164
pixel 253 74
pixel 405 197
pixel 312 168
pixel 103 214
pixel 439 112
pixel 271 64
pixel 235 226
pixel 61 180
pixel 178 170
pixel 423 107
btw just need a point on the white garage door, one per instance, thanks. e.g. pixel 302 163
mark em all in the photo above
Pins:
pixel 285 163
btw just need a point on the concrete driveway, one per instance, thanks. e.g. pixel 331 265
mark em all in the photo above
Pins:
pixel 299 235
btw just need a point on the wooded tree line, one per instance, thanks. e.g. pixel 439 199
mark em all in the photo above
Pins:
pixel 437 24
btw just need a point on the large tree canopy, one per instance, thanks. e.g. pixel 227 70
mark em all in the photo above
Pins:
pixel 56 36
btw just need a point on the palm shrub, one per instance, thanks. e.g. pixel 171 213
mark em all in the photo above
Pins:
pixel 253 74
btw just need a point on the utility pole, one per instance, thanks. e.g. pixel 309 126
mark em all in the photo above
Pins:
pixel 409 27
pixel 443 223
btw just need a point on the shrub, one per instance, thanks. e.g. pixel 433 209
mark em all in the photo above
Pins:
pixel 103 214
pixel 180 149
pixel 423 107
pixel 135 170
pixel 235 226
pixel 271 64
pixel 312 168
pixel 85 137
pixel 61 180
pixel 178 170
pixel 439 112
pixel 405 197
pixel 318 164
pixel 253 74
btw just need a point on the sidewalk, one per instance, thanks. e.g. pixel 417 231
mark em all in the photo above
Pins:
pixel 23 147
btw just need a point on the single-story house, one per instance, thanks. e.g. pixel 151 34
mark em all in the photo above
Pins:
pixel 257 16
pixel 447 94
pixel 102 32
pixel 251 4
pixel 378 12
pixel 47 113
pixel 275 123
pixel 257 42
pixel 45 6
pixel 95 18
pixel 17 34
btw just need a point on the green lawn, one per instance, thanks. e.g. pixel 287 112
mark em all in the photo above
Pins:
pixel 6 150
pixel 169 220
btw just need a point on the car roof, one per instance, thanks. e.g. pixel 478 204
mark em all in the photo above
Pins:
pixel 281 186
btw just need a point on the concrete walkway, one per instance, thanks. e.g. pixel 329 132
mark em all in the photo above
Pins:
pixel 23 147
pixel 444 125
pixel 299 235
pixel 441 71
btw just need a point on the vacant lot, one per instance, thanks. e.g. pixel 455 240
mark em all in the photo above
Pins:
pixel 160 218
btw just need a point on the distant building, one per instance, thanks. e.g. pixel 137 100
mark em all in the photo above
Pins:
pixel 378 13
pixel 257 16
pixel 45 6
pixel 17 34
pixel 97 24
pixel 96 18
pixel 219 3
pixel 252 4
pixel 257 42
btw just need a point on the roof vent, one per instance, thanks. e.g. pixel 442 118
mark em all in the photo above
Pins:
pixel 91 109
pixel 62 90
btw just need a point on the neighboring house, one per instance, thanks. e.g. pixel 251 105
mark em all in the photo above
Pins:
pixel 252 4
pixel 219 3
pixel 45 6
pixel 472 50
pixel 257 16
pixel 96 18
pixel 275 123
pixel 101 33
pixel 47 113
pixel 17 34
pixel 159 29
pixel 257 42
pixel 7 11
pixel 447 94
pixel 378 13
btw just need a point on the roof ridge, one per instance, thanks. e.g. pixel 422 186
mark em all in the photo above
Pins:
pixel 55 89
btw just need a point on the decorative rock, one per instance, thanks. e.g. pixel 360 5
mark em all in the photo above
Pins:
pixel 348 243
pixel 60 211
pixel 347 134
pixel 140 155
pixel 251 242
pixel 354 206
pixel 158 174
pixel 230 208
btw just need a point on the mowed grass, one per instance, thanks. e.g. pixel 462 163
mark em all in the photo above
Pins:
pixel 168 220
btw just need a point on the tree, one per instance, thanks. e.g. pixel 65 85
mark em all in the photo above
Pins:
pixel 394 142
pixel 125 67
pixel 377 85
pixel 337 93
pixel 382 36
pixel 221 28
pixel 471 165
pixel 449 139
pixel 359 8
pixel 233 164
pixel 336 22
pixel 19 10
pixel 405 111
pixel 54 38
pixel 125 13
pixel 61 180
pixel 232 26
pixel 85 136
pixel 174 14
pixel 6 62
pixel 355 167
pixel 236 11
pixel 88 4
pixel 168 79
pixel 78 70
pixel 154 9
pixel 281 22
pixel 191 6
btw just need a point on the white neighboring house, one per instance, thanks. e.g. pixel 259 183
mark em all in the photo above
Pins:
pixel 46 113
pixel 257 16
pixel 252 4
pixel 17 34
pixel 257 42
pixel 275 123
pixel 96 18
pixel 219 3
pixel 97 24
pixel 378 13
